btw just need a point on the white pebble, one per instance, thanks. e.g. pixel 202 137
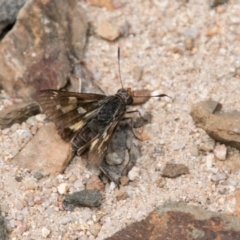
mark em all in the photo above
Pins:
pixel 63 188
pixel 30 184
pixel 40 117
pixel 209 161
pixel 134 173
pixel 220 152
pixel 45 232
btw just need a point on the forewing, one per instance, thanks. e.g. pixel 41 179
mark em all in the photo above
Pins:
pixel 69 110
pixel 99 145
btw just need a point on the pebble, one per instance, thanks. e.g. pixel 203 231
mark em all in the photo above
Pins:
pixel 18 204
pixel 95 183
pixel 78 184
pixel 121 195
pixel 220 152
pixel 95 229
pixel 133 173
pixel 45 232
pixel 219 176
pixel 66 220
pixel 40 117
pixel 124 180
pixel 209 160
pixel 207 146
pixel 63 188
pixel 113 159
pixel 30 184
pixel 106 30
pixel 38 175
pixel 194 151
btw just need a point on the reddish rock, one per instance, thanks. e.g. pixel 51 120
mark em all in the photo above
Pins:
pixel 34 55
pixel 95 183
pixel 174 221
pixel 46 152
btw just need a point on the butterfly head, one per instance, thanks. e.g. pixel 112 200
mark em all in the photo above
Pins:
pixel 126 95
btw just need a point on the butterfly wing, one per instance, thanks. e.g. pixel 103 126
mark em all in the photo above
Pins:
pixel 69 111
pixel 99 145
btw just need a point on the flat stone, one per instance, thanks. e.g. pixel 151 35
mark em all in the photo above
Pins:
pixel 45 152
pixel 108 31
pixel 84 198
pixel 222 127
pixel 173 170
pixel 201 111
pixel 181 221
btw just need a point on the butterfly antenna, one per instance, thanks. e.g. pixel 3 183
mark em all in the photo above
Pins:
pixel 119 70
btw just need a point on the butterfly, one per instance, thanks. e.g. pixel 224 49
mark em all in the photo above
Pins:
pixel 86 120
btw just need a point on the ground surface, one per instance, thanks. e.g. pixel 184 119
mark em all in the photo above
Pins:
pixel 160 33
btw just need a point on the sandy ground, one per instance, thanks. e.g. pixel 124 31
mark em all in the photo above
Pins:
pixel 161 33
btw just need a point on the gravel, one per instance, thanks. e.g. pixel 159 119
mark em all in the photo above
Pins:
pixel 190 52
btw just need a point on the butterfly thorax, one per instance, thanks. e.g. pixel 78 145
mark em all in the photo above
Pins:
pixel 125 95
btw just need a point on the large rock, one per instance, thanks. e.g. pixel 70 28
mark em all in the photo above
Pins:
pixel 221 126
pixel 46 152
pixel 34 55
pixel 181 221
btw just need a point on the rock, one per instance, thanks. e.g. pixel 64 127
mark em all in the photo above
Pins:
pixel 124 180
pixel 63 188
pixel 39 45
pixel 84 198
pixel 189 43
pixel 209 161
pixel 123 145
pixel 3 231
pixel 134 173
pixel 45 232
pixel 95 229
pixel 121 195
pixel 38 175
pixel 232 162
pixel 137 72
pixel 95 183
pixel 173 170
pixel 113 159
pixel 215 3
pixel 181 221
pixel 106 30
pixel 46 152
pixel 219 176
pixel 108 4
pixel 207 146
pixel 201 111
pixel 18 113
pixel 30 183
pixel 220 152
pixel 8 13
pixel 222 127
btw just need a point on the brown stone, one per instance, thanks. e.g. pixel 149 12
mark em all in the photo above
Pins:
pixel 225 128
pixel 173 170
pixel 201 111
pixel 174 221
pixel 34 55
pixel 95 183
pixel 46 152
pixel 102 3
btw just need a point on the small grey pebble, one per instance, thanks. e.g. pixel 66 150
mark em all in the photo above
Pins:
pixel 84 198
pixel 38 175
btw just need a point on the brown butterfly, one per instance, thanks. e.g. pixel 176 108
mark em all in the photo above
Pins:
pixel 86 120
